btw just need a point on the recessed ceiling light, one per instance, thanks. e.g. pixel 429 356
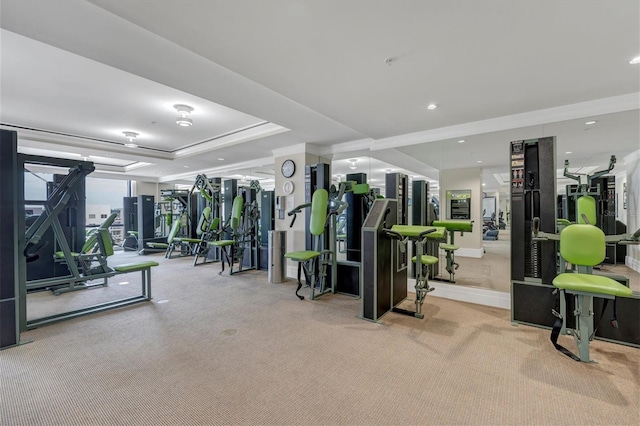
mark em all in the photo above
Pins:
pixel 568 152
pixel 131 145
pixel 432 106
pixel 479 161
pixel 461 141
pixel 220 159
pixel 635 60
pixel 186 167
pixel 483 184
pixel 590 122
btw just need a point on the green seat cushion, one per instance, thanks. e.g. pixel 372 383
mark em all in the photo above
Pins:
pixel 425 259
pixel 588 283
pixel 60 254
pixel 130 267
pixel 415 230
pixel 449 247
pixel 221 243
pixel 187 240
pixel 455 225
pixel 302 256
pixel 158 245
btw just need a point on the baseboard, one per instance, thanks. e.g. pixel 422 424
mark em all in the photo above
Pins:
pixel 469 252
pixel 480 296
pixel 632 263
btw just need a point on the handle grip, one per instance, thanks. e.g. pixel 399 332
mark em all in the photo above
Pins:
pixel 536 225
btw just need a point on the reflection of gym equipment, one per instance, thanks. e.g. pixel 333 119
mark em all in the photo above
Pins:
pixel 419 235
pixel 452 226
pixel 82 269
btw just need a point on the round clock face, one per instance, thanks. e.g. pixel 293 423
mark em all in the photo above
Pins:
pixel 288 168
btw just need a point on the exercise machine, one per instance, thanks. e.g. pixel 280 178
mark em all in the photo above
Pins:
pixel 452 226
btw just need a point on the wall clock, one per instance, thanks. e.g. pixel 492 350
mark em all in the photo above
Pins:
pixel 288 168
pixel 287 188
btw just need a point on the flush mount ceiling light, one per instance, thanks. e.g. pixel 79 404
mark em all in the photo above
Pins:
pixel 183 115
pixel 432 106
pixel 635 60
pixel 130 137
pixel 353 164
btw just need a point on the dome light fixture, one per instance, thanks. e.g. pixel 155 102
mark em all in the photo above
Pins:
pixel 183 111
pixel 432 106
pixel 130 137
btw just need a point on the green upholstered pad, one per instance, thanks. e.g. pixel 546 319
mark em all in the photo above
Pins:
pixel 203 223
pixel 158 245
pixel 236 212
pixel 105 236
pixel 221 243
pixel 582 244
pixel 415 230
pixel 89 243
pixel 303 255
pixel 425 259
pixel 451 247
pixel 361 188
pixel 174 231
pixel 455 225
pixel 586 206
pixel 130 267
pixel 214 224
pixel 588 283
pixel 60 254
pixel 318 211
pixel 188 240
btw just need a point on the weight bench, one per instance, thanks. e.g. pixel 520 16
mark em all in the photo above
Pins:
pixel 452 226
pixel 583 246
pixel 419 234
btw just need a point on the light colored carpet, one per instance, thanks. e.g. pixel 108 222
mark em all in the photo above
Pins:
pixel 236 350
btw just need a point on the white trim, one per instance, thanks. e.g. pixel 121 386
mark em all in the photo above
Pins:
pixel 357 145
pixel 632 263
pixel 480 296
pixel 534 118
pixel 300 148
pixel 469 252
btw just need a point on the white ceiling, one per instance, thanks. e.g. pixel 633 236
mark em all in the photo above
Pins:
pixel 264 76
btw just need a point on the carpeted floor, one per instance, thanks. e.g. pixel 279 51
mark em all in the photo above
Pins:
pixel 225 349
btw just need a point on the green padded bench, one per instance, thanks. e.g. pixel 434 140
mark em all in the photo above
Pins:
pixel 233 225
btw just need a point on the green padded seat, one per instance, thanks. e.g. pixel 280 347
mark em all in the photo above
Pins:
pixel 221 243
pixel 415 230
pixel 449 247
pixel 591 284
pixel 60 254
pixel 130 267
pixel 455 225
pixel 302 256
pixel 425 259
pixel 158 245
pixel 187 240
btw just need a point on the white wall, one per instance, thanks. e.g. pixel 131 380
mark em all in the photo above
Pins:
pixel 632 163
pixel 457 179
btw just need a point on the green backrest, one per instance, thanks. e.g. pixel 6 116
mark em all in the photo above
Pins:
pixel 106 241
pixel 361 188
pixel 586 206
pixel 582 244
pixel 173 231
pixel 318 217
pixel 88 245
pixel 236 212
pixel 203 223
pixel 214 224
